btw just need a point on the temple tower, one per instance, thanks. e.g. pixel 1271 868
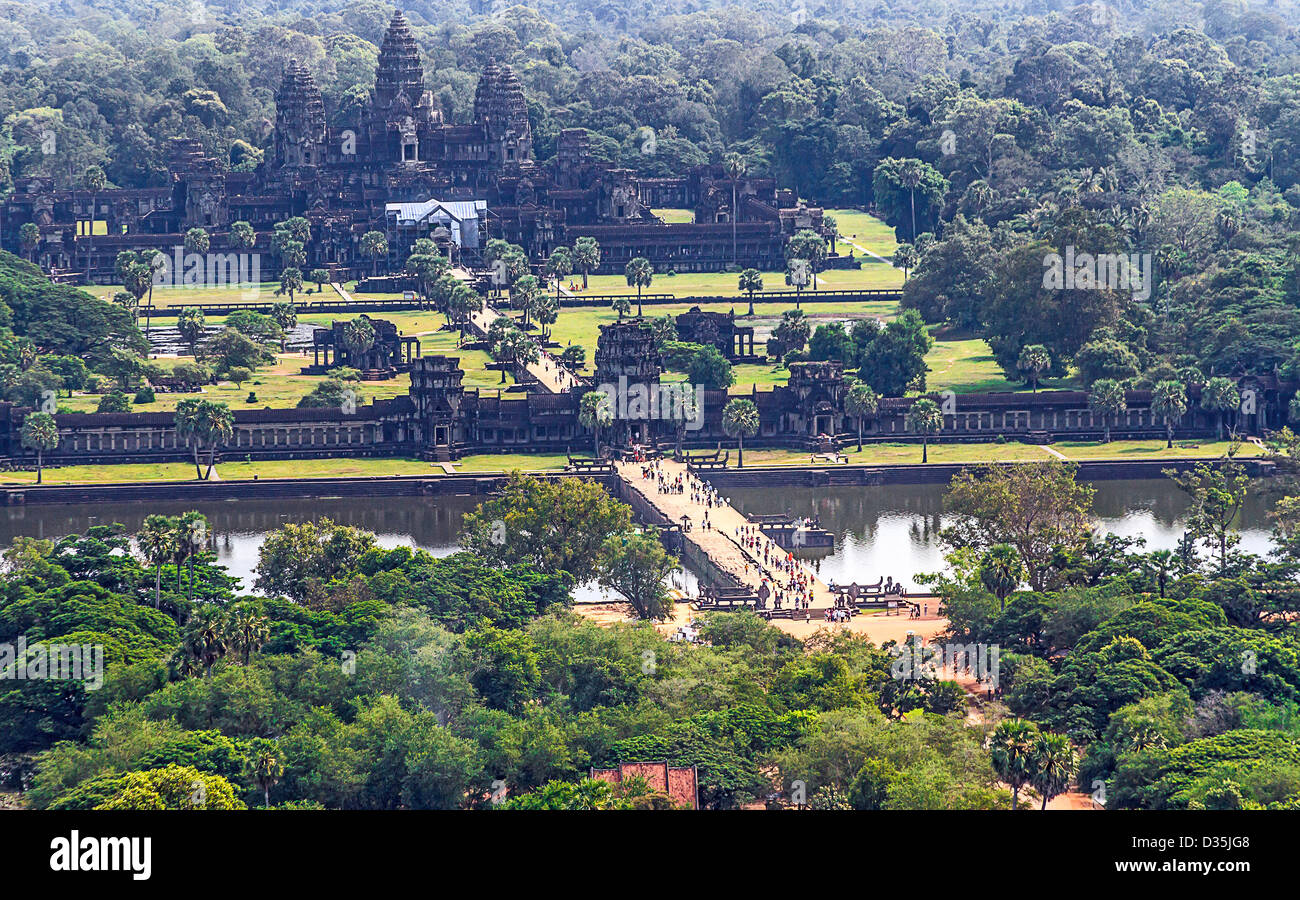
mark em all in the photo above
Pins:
pixel 500 107
pixel 299 119
pixel 399 70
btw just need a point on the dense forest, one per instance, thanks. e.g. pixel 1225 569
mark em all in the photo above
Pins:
pixel 991 135
pixel 351 676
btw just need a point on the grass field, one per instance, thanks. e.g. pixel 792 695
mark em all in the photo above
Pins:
pixel 872 454
pixel 676 216
pixel 233 470
pixel 865 231
pixel 872 276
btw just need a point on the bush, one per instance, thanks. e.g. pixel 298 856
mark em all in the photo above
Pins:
pixel 114 402
pixel 252 397
pixel 144 395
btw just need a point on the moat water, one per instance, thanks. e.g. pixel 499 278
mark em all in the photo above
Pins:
pixel 883 530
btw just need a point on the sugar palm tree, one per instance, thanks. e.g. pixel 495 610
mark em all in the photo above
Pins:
pixel 1220 395
pixel 265 765
pixel 1034 360
pixel 751 280
pixel 40 433
pixel 93 180
pixel 560 264
pixel 1169 403
pixel 191 539
pixel 905 258
pixel 740 420
pixel 909 176
pixel 622 306
pixel 248 630
pixel 586 257
pixel 1106 399
pixel 197 241
pixel 1054 765
pixel 1011 750
pixel 157 542
pixel 216 426
pixel 29 235
pixel 926 419
pixel 286 316
pixel 1001 571
pixel 639 273
pixel 735 165
pixel 595 411
pixel 861 403
pixel 373 246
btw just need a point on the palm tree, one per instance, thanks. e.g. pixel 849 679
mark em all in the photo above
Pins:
pixel 1001 571
pixel 586 257
pixel 249 630
pixel 1169 402
pixel 29 235
pixel 191 539
pixel 157 541
pixel 861 403
pixel 560 265
pixel 622 306
pixel 751 280
pixel 734 163
pixel 905 258
pixel 909 176
pixel 242 236
pixel 265 765
pixel 40 433
pixel 1107 399
pixel 374 245
pixel 595 411
pixel 93 180
pixel 187 426
pixel 926 419
pixel 197 241
pixel 1163 561
pixel 290 281
pixel 639 274
pixel 216 426
pixel 205 638
pixel 1034 360
pixel 191 325
pixel 1011 750
pixel 1053 766
pixel 359 337
pixel 523 296
pixel 286 316
pixel 1220 395
pixel 740 420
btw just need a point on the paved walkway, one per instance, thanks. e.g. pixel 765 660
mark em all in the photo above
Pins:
pixel 549 374
pixel 720 542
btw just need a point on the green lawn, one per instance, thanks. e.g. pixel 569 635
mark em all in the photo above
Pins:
pixel 1010 451
pixel 233 469
pixel 676 216
pixel 872 276
pixel 1152 449
pixel 865 231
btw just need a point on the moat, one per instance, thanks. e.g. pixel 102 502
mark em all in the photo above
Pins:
pixel 882 530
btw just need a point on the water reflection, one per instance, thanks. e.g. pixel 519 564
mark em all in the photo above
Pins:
pixel 892 529
pixel 885 530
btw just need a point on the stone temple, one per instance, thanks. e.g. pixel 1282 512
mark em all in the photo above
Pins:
pixel 399 154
